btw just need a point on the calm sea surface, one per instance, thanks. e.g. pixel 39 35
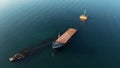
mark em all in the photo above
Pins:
pixel 29 23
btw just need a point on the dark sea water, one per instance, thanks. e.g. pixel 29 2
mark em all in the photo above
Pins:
pixel 28 23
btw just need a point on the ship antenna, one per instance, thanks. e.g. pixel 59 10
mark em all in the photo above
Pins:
pixel 84 12
pixel 58 34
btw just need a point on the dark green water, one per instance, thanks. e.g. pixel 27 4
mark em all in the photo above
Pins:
pixel 26 23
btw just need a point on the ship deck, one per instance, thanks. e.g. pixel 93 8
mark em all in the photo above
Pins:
pixel 66 36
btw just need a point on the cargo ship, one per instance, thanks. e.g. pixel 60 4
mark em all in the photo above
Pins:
pixel 23 54
pixel 18 56
pixel 63 39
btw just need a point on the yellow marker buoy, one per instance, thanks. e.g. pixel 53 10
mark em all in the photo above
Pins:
pixel 83 17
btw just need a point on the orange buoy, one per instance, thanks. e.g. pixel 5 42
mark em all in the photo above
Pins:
pixel 83 17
